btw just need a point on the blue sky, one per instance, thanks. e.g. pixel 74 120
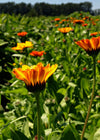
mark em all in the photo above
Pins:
pixel 95 3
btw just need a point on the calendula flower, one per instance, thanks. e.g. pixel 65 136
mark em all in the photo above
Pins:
pixel 56 25
pixel 98 61
pixel 86 17
pixel 84 69
pixel 65 30
pixel 37 53
pixel 21 46
pixel 94 33
pixel 93 23
pixel 14 64
pixel 78 21
pixel 91 46
pixel 57 19
pixel 22 34
pixel 28 44
pixel 20 63
pixel 35 76
pixel 84 24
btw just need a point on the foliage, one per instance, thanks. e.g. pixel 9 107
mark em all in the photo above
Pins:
pixel 65 100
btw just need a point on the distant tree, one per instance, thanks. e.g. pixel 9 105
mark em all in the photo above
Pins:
pixel 44 8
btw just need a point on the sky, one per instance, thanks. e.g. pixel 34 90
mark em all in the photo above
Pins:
pixel 95 3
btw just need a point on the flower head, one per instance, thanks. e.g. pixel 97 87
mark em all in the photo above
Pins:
pixel 57 19
pixel 78 21
pixel 22 34
pixel 91 46
pixel 35 76
pixel 98 61
pixel 94 33
pixel 84 24
pixel 65 30
pixel 21 46
pixel 37 53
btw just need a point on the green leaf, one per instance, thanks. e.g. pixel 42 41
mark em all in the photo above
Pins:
pixel 2 42
pixel 84 86
pixel 62 91
pixel 17 135
pixel 68 134
pixel 97 135
pixel 72 84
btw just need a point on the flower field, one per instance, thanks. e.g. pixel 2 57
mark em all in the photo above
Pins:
pixel 50 77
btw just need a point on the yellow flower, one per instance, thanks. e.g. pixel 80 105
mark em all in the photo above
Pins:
pixel 14 64
pixel 65 30
pixel 21 46
pixel 91 46
pixel 20 63
pixel 28 44
pixel 35 76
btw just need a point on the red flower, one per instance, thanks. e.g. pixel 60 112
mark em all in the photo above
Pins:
pixel 84 24
pixel 22 34
pixel 37 53
pixel 57 19
pixel 84 68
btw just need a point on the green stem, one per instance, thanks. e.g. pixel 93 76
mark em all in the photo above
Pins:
pixel 89 109
pixel 38 117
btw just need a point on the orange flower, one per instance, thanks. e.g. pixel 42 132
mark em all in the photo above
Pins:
pixel 37 53
pixel 78 21
pixel 57 19
pixel 84 24
pixel 86 17
pixel 35 76
pixel 93 34
pixel 20 63
pixel 91 46
pixel 93 23
pixel 65 30
pixel 98 61
pixel 56 25
pixel 22 34
pixel 21 46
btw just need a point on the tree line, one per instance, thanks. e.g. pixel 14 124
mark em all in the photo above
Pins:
pixel 44 9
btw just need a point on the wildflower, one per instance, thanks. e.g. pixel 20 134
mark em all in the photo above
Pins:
pixel 14 64
pixel 21 46
pixel 37 53
pixel 86 17
pixel 84 24
pixel 84 69
pixel 93 23
pixel 91 46
pixel 20 63
pixel 56 25
pixel 57 19
pixel 98 61
pixel 94 33
pixel 65 30
pixel 22 34
pixel 78 21
pixel 35 76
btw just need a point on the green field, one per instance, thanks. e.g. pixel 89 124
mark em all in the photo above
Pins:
pixel 64 101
